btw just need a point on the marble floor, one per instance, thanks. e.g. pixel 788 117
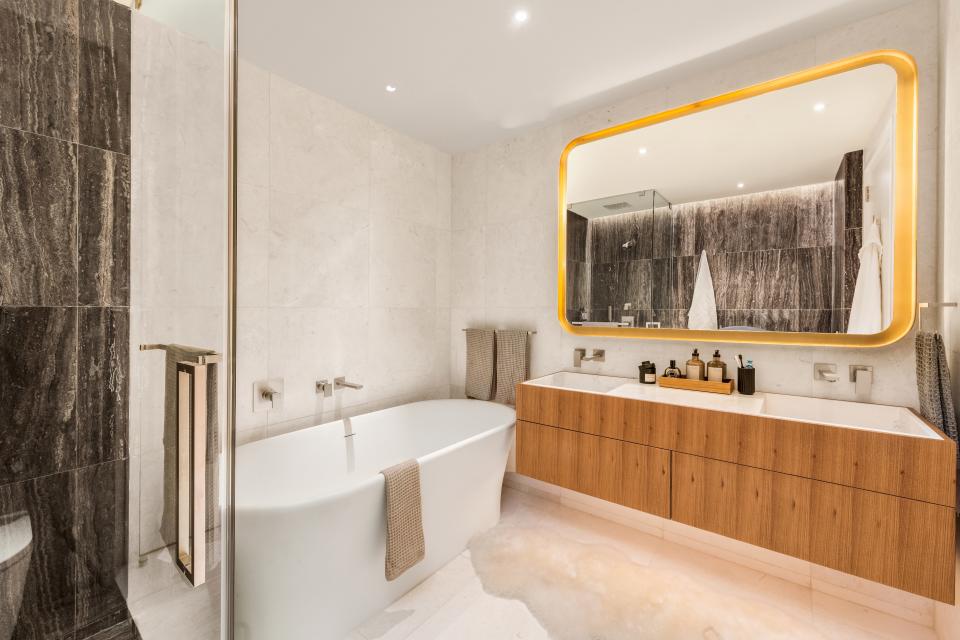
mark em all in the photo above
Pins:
pixel 452 604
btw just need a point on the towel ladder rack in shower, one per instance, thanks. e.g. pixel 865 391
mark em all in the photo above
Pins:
pixel 192 381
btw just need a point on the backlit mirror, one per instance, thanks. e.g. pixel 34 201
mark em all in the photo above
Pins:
pixel 779 213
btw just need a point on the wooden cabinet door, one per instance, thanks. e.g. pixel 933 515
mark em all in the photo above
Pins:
pixel 899 542
pixel 645 479
pixel 537 451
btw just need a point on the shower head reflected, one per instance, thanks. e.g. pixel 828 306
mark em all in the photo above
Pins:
pixel 629 243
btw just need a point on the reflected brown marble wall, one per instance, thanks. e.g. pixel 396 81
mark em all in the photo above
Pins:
pixel 771 256
pixel 64 315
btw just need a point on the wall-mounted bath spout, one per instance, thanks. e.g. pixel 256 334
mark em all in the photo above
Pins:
pixel 341 383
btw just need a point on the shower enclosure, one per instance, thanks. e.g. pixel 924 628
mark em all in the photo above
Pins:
pixel 613 279
pixel 114 319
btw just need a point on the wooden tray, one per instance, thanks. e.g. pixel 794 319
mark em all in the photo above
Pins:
pixel 725 387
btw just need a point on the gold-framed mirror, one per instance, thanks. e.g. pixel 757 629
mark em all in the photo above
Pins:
pixel 780 213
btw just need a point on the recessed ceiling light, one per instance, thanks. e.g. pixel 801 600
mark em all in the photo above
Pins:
pixel 740 185
pixel 820 106
pixel 520 16
pixel 642 151
pixel 391 88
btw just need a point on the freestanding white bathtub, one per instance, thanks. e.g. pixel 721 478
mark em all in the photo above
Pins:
pixel 310 521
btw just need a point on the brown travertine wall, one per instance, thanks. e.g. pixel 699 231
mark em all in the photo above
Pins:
pixel 64 313
pixel 770 256
pixel 848 203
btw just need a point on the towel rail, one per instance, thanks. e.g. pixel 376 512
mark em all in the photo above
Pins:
pixel 191 468
pixel 931 305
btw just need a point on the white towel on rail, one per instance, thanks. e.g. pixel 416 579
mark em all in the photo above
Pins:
pixel 703 309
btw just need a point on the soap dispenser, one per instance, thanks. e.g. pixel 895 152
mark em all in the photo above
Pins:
pixel 672 371
pixel 696 369
pixel 716 368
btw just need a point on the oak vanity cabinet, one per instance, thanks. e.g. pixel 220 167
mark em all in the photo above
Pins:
pixel 876 505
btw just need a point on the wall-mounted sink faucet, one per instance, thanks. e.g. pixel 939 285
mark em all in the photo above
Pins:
pixel 861 376
pixel 580 355
pixel 826 372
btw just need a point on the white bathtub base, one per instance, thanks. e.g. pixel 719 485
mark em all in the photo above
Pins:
pixel 318 571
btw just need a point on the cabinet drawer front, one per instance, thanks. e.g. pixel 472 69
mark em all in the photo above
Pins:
pixel 896 541
pixel 629 474
pixel 537 404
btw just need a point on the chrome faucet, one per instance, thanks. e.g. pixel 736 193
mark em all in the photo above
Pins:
pixel 580 355
pixel 861 376
pixel 341 383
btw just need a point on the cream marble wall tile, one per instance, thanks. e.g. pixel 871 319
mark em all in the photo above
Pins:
pixel 441 352
pixel 404 178
pixel 467 268
pixel 403 264
pixel 520 264
pixel 444 189
pixel 309 344
pixel 401 343
pixel 253 125
pixel 319 253
pixel 318 147
pixel 444 259
pixel 469 189
pixel 253 245
pixel 521 176
pixel 253 344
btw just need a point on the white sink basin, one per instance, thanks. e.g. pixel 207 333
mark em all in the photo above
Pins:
pixel 856 415
pixel 579 382
pixel 839 413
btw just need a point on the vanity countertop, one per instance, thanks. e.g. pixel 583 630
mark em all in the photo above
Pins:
pixel 839 413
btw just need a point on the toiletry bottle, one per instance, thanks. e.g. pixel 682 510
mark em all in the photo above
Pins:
pixel 648 372
pixel 696 369
pixel 716 368
pixel 672 371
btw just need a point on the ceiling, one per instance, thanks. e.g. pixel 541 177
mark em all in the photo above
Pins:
pixel 467 75
pixel 773 141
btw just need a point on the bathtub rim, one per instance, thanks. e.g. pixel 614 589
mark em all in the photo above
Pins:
pixel 377 478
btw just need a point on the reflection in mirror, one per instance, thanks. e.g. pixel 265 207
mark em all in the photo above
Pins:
pixel 773 213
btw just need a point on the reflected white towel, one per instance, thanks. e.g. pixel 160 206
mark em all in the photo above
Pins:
pixel 703 309
pixel 865 313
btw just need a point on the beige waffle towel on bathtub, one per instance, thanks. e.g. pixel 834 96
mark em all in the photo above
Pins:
pixel 513 362
pixel 405 546
pixel 479 381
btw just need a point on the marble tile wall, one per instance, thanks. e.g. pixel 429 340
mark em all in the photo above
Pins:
pixel 848 201
pixel 345 258
pixel 64 310
pixel 504 212
pixel 770 256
